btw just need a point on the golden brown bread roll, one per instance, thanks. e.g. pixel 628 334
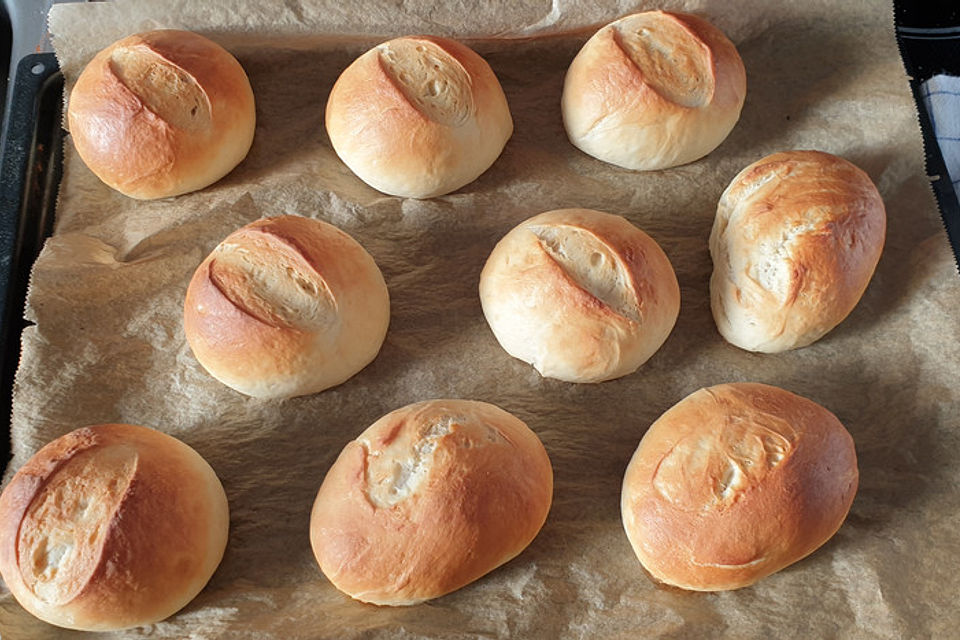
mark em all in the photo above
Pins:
pixel 286 306
pixel 111 526
pixel 428 499
pixel 418 116
pixel 162 113
pixel 581 295
pixel 653 90
pixel 736 482
pixel 796 239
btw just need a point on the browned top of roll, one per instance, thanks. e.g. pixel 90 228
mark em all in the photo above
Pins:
pixel 584 296
pixel 111 526
pixel 286 306
pixel 418 116
pixel 429 498
pixel 653 90
pixel 162 113
pixel 795 242
pixel 734 483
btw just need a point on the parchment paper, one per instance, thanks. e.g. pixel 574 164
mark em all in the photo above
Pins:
pixel 108 346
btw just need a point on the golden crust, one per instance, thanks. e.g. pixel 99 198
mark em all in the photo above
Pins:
pixel 418 116
pixel 111 526
pixel 286 306
pixel 653 90
pixel 162 113
pixel 734 483
pixel 582 295
pixel 428 499
pixel 795 242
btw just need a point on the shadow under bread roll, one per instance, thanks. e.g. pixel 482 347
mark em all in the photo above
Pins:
pixel 429 498
pixel 111 526
pixel 162 113
pixel 734 483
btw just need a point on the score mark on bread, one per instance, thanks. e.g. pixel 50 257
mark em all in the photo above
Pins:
pixel 737 456
pixel 255 270
pixel 63 532
pixel 166 89
pixel 661 48
pixel 430 79
pixel 592 265
pixel 395 470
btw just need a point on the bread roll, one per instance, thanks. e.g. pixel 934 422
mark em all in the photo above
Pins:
pixel 735 482
pixel 796 239
pixel 581 295
pixel 653 90
pixel 418 116
pixel 111 526
pixel 428 499
pixel 285 307
pixel 161 113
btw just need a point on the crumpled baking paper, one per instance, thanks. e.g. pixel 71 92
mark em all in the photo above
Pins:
pixel 107 293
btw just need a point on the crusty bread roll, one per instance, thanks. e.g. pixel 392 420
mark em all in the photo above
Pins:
pixel 162 113
pixel 653 90
pixel 428 499
pixel 418 116
pixel 286 306
pixel 736 482
pixel 111 526
pixel 796 239
pixel 581 295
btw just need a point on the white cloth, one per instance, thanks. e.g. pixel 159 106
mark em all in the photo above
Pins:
pixel 941 96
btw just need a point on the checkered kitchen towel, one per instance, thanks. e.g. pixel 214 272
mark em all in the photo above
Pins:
pixel 941 96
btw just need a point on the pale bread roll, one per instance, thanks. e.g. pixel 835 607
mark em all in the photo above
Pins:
pixel 583 296
pixel 418 116
pixel 653 90
pixel 429 498
pixel 162 113
pixel 734 483
pixel 111 526
pixel 286 306
pixel 795 242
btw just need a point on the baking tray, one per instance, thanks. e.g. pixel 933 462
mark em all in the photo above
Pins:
pixel 31 163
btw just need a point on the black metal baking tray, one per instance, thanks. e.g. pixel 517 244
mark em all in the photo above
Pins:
pixel 31 161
